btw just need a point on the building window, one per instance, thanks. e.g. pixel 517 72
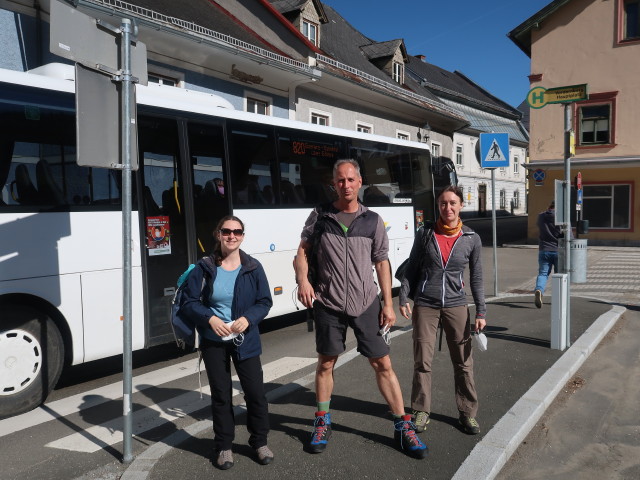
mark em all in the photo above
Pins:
pixel 165 76
pixel 594 124
pixel 435 156
pixel 516 199
pixel 257 106
pixel 459 155
pixel 630 24
pixel 607 206
pixel 364 127
pixel 516 165
pixel 320 119
pixel 596 120
pixel 398 72
pixel 435 151
pixel 402 135
pixel 310 30
pixel 503 199
pixel 162 80
pixel 503 170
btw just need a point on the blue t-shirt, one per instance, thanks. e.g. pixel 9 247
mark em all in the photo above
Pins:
pixel 222 297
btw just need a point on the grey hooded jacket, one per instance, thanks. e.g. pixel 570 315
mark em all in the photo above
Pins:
pixel 431 284
pixel 345 261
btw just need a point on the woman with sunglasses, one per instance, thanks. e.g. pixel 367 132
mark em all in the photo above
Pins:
pixel 227 307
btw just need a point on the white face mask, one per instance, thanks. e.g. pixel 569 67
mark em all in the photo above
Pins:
pixel 220 189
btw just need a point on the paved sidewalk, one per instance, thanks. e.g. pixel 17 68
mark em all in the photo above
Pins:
pixel 592 429
pixel 518 379
pixel 362 445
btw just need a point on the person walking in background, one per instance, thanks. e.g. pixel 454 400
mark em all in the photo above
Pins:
pixel 350 238
pixel 434 281
pixel 235 298
pixel 548 236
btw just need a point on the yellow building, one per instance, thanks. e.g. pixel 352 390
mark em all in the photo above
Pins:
pixel 593 42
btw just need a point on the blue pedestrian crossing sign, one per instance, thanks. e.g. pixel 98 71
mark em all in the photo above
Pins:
pixel 494 150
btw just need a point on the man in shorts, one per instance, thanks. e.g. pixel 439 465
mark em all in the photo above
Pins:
pixel 348 237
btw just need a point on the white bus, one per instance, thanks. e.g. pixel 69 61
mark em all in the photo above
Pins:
pixel 61 224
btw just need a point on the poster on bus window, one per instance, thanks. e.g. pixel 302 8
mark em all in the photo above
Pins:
pixel 419 218
pixel 158 235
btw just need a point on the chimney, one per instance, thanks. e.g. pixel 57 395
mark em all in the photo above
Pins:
pixel 421 58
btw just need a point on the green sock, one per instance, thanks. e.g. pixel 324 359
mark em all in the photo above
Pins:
pixel 396 416
pixel 324 406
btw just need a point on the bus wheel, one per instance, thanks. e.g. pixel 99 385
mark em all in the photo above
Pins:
pixel 31 359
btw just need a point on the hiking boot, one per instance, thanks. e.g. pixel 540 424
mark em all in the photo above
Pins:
pixel 224 460
pixel 469 425
pixel 321 432
pixel 265 455
pixel 421 420
pixel 406 436
pixel 538 299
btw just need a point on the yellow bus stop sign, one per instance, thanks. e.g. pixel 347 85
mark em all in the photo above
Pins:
pixel 536 97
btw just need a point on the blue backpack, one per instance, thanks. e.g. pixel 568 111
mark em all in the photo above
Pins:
pixel 184 330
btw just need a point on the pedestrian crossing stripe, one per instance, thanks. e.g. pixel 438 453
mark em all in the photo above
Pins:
pixel 98 437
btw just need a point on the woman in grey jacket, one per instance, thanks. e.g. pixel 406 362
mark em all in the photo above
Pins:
pixel 434 281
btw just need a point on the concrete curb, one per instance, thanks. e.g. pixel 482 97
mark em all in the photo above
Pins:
pixel 492 452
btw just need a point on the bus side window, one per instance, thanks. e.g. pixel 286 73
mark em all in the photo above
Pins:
pixel 50 191
pixel 251 154
pixel 25 192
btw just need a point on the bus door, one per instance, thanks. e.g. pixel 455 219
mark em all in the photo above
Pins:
pixel 210 198
pixel 163 225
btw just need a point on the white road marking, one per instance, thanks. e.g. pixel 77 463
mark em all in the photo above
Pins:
pixel 91 398
pixel 97 437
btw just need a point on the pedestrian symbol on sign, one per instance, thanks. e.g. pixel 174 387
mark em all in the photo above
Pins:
pixel 496 153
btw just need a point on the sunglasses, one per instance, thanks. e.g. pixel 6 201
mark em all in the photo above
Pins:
pixel 238 232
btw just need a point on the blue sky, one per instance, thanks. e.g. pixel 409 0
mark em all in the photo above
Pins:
pixel 465 35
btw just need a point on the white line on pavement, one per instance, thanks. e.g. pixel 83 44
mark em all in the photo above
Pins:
pixel 97 437
pixel 91 398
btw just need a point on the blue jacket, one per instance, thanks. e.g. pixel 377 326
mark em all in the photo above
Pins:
pixel 251 299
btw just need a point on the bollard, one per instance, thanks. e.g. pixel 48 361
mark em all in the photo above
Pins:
pixel 578 254
pixel 559 299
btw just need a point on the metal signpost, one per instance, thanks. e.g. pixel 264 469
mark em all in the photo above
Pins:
pixel 97 46
pixel 494 153
pixel 538 97
pixel 578 202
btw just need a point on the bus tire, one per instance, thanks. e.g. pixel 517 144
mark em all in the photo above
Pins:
pixel 31 359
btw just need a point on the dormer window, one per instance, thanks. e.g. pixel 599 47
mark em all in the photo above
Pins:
pixel 398 72
pixel 307 16
pixel 310 30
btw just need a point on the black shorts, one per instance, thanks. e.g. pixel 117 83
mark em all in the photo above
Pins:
pixel 331 331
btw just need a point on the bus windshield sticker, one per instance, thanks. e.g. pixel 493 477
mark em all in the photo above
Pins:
pixel 158 235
